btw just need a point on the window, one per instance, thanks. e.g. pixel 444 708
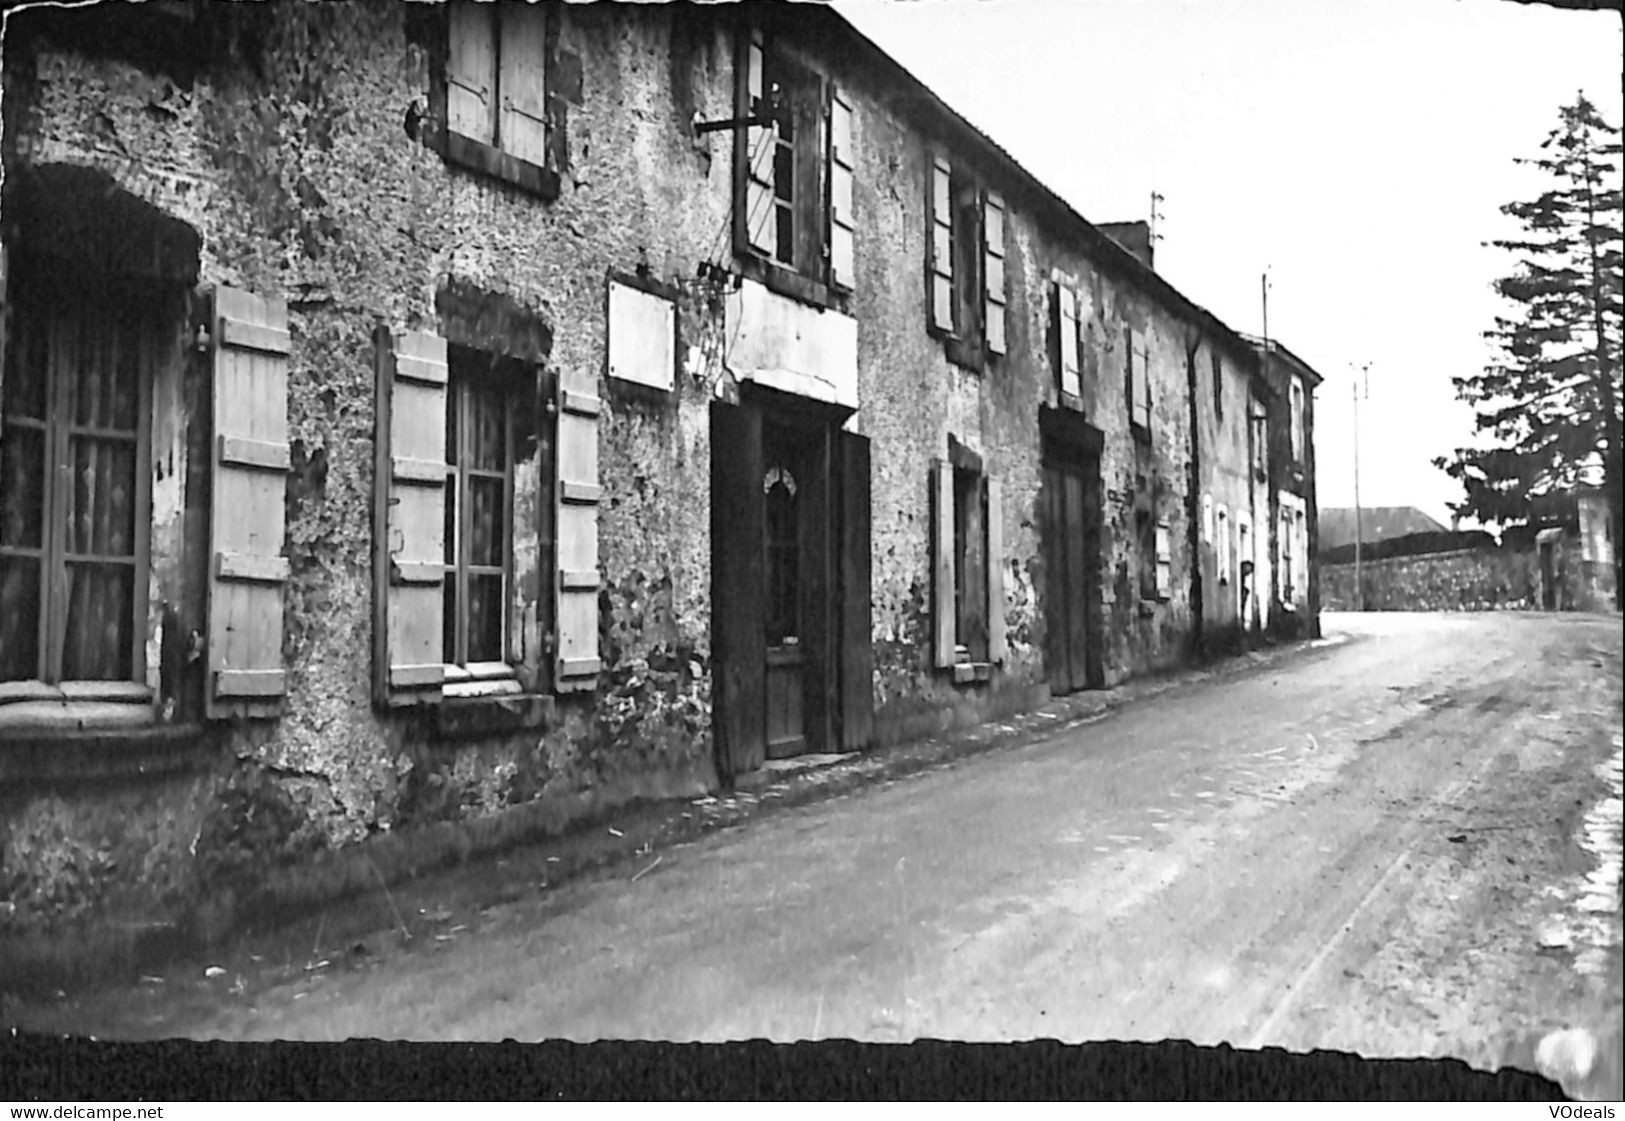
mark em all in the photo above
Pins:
pixel 1218 386
pixel 1137 382
pixel 1068 334
pixel 1259 437
pixel 478 523
pixel 1297 421
pixel 1156 555
pixel 1222 544
pixel 967 301
pixel 495 94
pixel 794 169
pixel 485 525
pixel 87 355
pixel 968 602
pixel 1289 570
pixel 74 515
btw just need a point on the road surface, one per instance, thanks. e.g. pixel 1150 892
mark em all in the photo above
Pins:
pixel 1379 845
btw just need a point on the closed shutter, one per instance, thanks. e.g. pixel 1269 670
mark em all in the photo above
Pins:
pixel 841 222
pixel 760 225
pixel 857 662
pixel 522 125
pixel 471 71
pixel 409 518
pixel 995 570
pixel 944 621
pixel 993 233
pixel 940 247
pixel 576 669
pixel 1165 581
pixel 1066 327
pixel 249 460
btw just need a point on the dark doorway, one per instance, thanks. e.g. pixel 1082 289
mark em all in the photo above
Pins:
pixel 1548 576
pixel 790 581
pixel 1069 512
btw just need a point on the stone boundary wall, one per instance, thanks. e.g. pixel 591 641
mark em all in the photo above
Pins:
pixel 1461 580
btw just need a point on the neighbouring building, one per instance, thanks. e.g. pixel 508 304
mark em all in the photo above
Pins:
pixel 426 425
pixel 1375 523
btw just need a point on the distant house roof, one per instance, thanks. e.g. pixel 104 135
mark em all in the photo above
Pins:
pixel 1377 523
pixel 1276 347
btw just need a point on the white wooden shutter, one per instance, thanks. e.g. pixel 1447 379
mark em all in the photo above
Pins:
pixel 1164 560
pixel 577 664
pixel 761 222
pixel 1067 326
pixel 841 161
pixel 940 249
pixel 522 120
pixel 944 619
pixel 410 548
pixel 249 458
pixel 1139 382
pixel 995 570
pixel 993 233
pixel 471 70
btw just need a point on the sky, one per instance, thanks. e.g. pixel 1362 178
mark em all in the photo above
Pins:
pixel 1358 151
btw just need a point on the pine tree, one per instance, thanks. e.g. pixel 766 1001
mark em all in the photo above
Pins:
pixel 1550 400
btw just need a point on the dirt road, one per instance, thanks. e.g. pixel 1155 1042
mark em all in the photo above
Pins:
pixel 1373 846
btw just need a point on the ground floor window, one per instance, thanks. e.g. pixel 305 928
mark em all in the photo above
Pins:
pixel 74 515
pixel 478 522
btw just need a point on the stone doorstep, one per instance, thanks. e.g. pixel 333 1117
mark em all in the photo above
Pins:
pixel 604 839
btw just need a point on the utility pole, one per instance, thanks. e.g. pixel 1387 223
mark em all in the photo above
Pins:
pixel 1361 388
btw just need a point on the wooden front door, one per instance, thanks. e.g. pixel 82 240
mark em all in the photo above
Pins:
pixel 790 584
pixel 1069 507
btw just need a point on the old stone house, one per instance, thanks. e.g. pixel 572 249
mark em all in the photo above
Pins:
pixel 425 425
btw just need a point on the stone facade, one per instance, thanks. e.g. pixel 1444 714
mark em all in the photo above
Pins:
pixel 301 153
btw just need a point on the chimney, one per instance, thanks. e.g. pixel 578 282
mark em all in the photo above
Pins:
pixel 1133 236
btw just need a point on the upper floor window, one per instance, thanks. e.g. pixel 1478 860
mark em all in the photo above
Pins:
pixel 1218 387
pixel 1297 420
pixel 1066 323
pixel 968 297
pixel 493 96
pixel 1137 382
pixel 794 168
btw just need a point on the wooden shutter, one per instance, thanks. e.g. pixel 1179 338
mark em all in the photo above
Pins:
pixel 1066 327
pixel 1164 560
pixel 522 119
pixel 249 460
pixel 940 246
pixel 995 297
pixel 576 669
pixel 409 520
pixel 857 660
pixel 760 226
pixel 841 222
pixel 471 70
pixel 1139 389
pixel 738 564
pixel 995 570
pixel 944 620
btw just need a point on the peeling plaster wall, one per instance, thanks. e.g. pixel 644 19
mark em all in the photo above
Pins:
pixel 1227 480
pixel 286 150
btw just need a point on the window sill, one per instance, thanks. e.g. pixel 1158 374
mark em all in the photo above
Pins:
pixel 965 354
pixel 1071 401
pixel 785 281
pixel 74 706
pixel 967 672
pixel 46 755
pixel 475 155
pixel 464 715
